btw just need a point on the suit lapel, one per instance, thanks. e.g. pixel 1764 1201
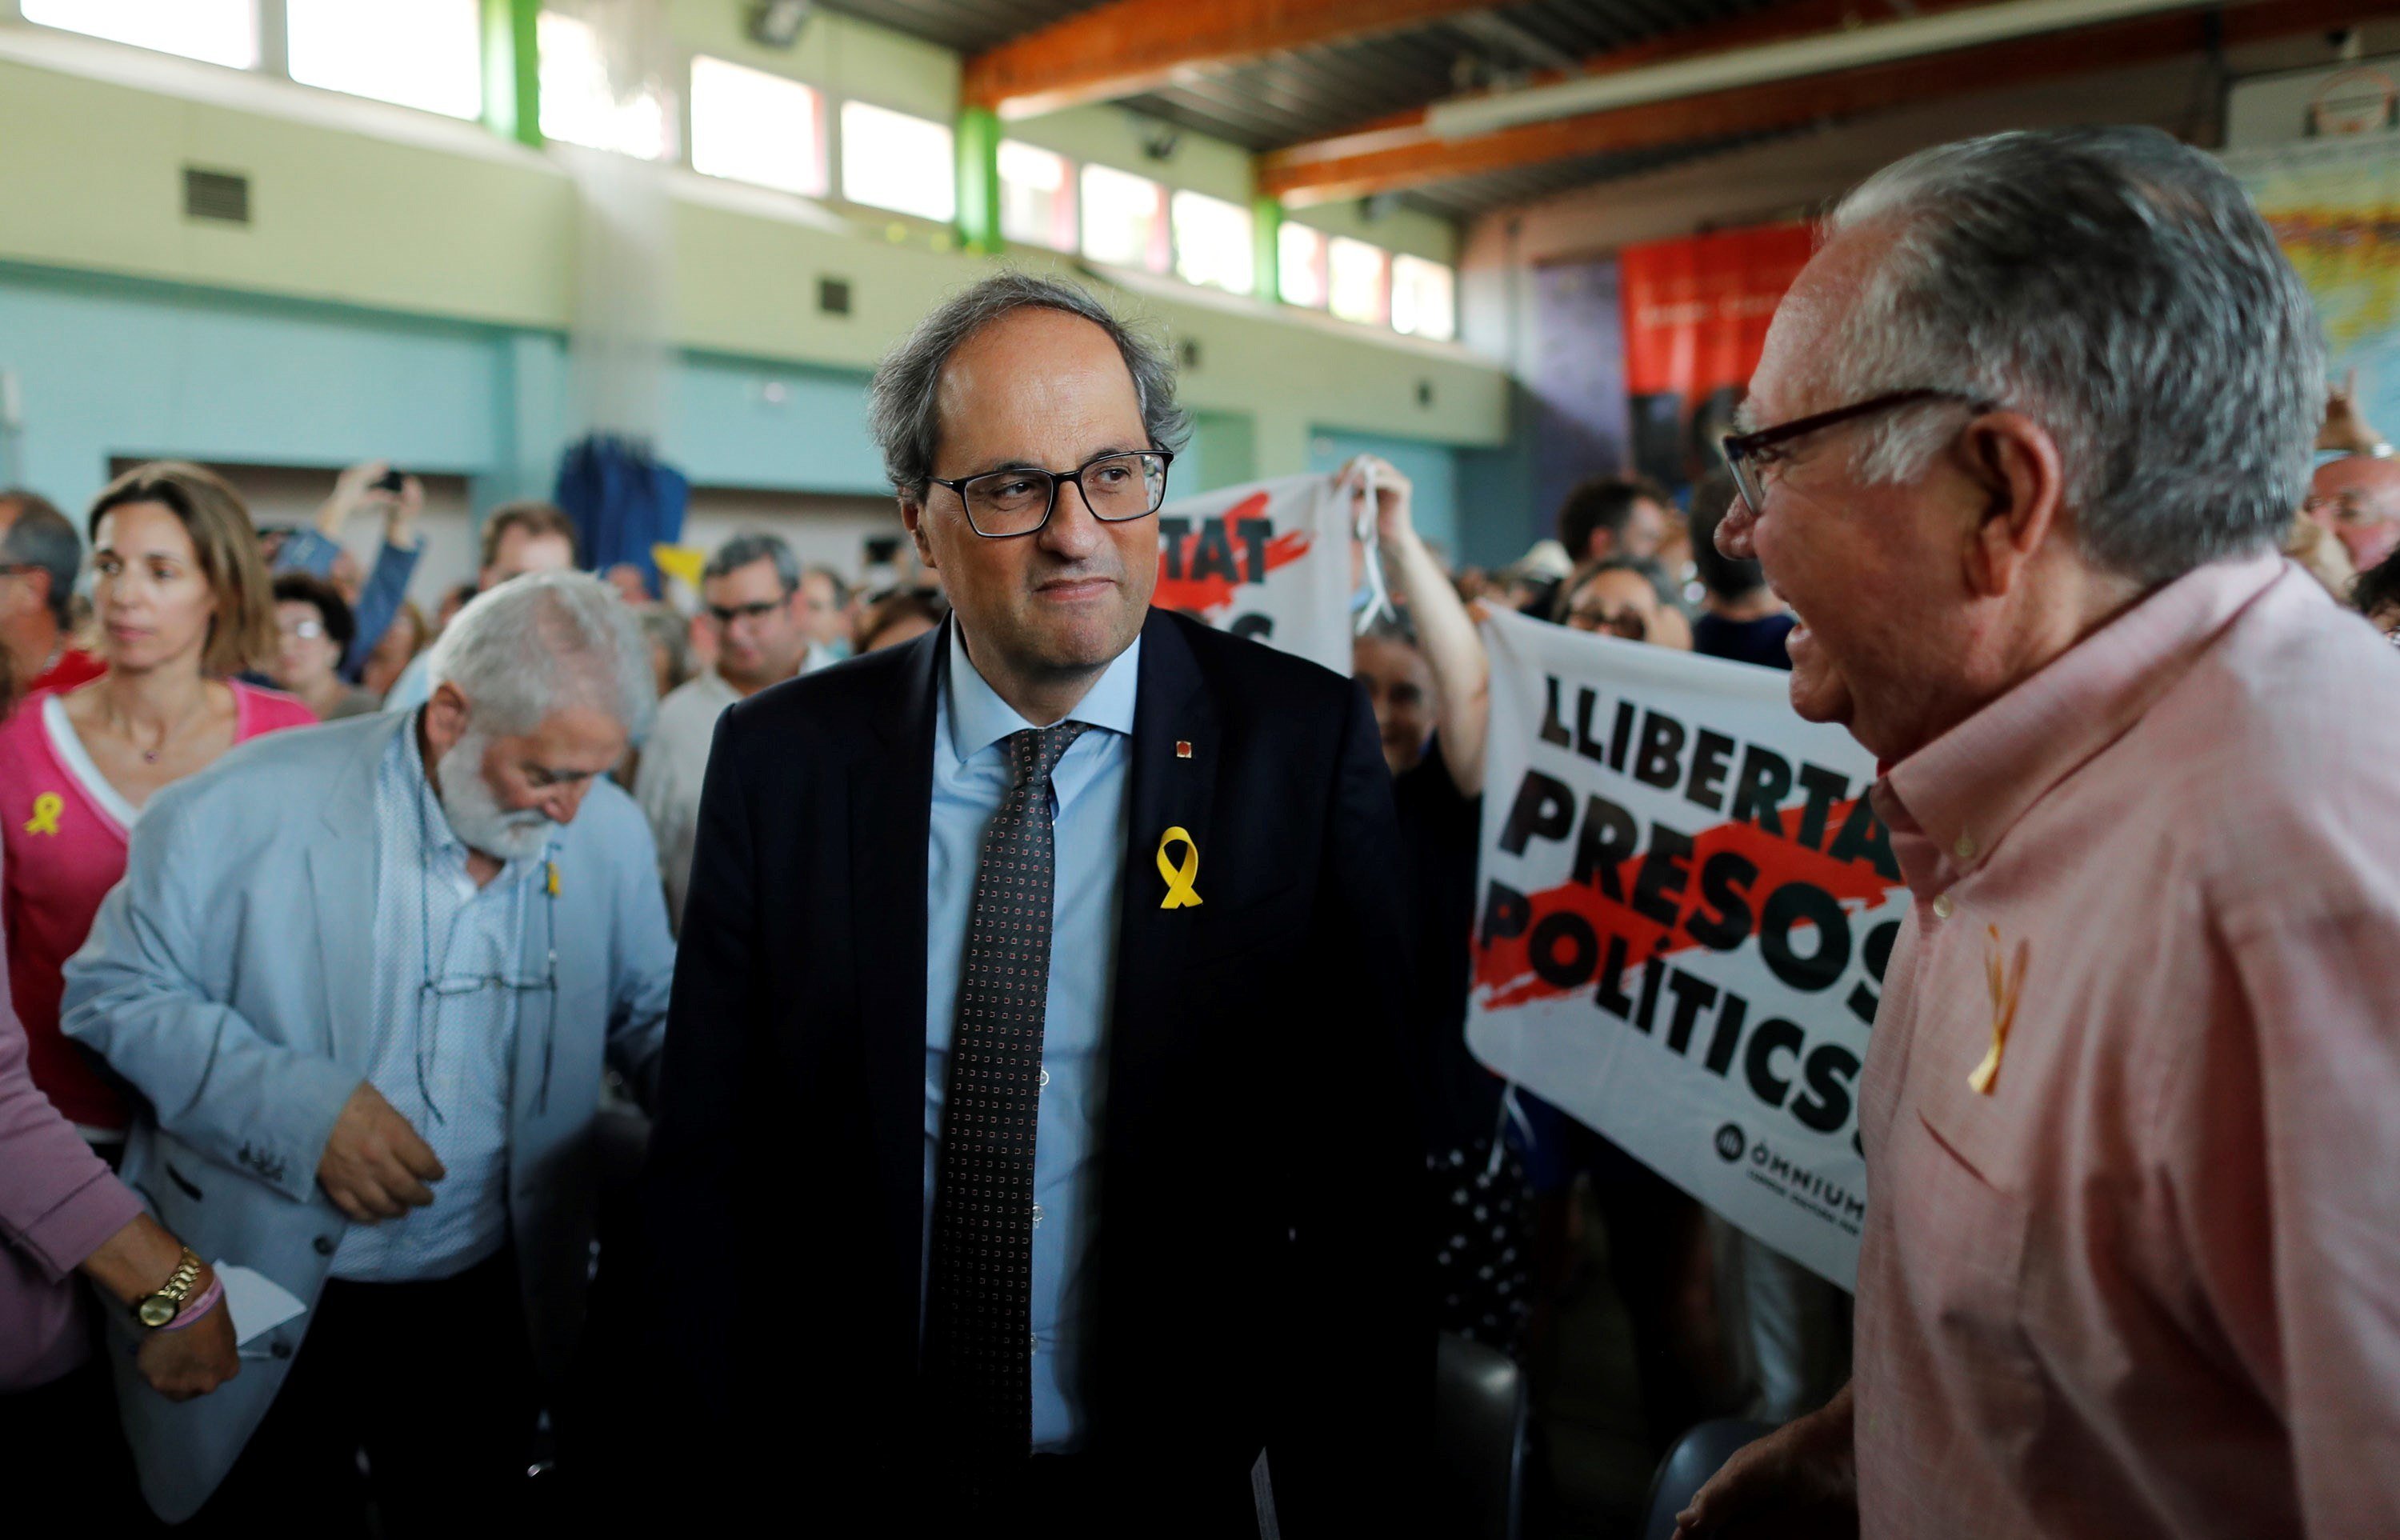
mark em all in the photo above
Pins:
pixel 891 811
pixel 343 880
pixel 1169 790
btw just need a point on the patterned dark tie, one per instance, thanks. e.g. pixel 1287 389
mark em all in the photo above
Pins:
pixel 978 1332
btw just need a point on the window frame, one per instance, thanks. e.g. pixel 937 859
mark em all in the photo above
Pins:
pixel 259 51
pixel 820 116
pixel 1159 259
pixel 839 152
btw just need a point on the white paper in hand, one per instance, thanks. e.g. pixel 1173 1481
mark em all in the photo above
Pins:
pixel 256 1303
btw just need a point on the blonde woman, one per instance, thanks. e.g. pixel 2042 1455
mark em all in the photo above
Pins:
pixel 182 604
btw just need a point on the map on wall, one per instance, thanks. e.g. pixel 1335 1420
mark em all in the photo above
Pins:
pixel 2334 205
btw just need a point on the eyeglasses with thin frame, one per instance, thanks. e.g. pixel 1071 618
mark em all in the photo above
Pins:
pixel 724 615
pixel 1630 623
pixel 2349 505
pixel 1747 453
pixel 1118 489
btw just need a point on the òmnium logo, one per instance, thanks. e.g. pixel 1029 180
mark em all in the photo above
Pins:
pixel 1730 1142
pixel 1795 1179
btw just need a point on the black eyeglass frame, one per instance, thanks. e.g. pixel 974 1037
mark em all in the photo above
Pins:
pixel 1165 459
pixel 1741 450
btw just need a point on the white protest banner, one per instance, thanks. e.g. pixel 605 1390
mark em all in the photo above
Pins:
pixel 1684 911
pixel 1270 561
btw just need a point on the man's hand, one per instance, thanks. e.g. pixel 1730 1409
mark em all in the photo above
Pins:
pixel 195 1359
pixel 355 492
pixel 1799 1482
pixel 1393 491
pixel 2346 428
pixel 375 1166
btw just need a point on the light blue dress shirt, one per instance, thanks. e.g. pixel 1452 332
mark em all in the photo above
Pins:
pixel 1089 804
pixel 444 1056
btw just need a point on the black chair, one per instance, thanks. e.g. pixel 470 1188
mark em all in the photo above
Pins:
pixel 1698 1456
pixel 1481 1410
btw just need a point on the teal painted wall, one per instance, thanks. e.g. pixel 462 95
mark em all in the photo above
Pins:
pixel 112 367
pixel 1432 471
pixel 117 367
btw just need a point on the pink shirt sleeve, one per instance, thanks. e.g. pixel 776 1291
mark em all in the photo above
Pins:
pixel 2280 1143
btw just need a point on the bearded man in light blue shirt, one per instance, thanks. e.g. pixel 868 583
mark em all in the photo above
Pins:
pixel 368 980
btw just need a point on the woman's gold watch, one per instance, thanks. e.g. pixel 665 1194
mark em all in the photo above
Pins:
pixel 157 1310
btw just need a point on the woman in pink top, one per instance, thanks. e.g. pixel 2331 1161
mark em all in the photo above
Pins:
pixel 184 604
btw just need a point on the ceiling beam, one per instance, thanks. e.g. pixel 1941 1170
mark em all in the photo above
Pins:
pixel 1404 152
pixel 1127 47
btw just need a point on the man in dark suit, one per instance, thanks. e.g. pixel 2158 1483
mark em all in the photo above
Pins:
pixel 1035 1149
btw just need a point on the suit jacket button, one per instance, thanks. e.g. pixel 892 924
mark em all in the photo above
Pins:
pixel 324 1245
pixel 281 1350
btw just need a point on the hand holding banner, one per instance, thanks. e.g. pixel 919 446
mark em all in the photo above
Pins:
pixel 1270 561
pixel 1685 906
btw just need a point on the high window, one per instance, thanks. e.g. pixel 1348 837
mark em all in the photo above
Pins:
pixel 579 105
pixel 1125 219
pixel 221 32
pixel 1358 286
pixel 752 126
pixel 1212 242
pixel 420 53
pixel 1037 196
pixel 1300 265
pixel 1425 298
pixel 890 161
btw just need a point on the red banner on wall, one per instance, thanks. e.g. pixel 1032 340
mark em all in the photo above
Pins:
pixel 1696 315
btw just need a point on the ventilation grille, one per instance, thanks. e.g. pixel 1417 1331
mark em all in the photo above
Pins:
pixel 220 196
pixel 833 295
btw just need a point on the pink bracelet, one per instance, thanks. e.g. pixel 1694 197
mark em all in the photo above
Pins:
pixel 197 1306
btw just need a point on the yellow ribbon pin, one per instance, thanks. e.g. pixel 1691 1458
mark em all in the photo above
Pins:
pixel 47 809
pixel 1180 892
pixel 2005 984
pixel 553 877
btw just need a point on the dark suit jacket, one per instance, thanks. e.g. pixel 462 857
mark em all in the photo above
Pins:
pixel 1257 1281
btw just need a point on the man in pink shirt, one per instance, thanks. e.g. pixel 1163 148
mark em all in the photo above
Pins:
pixel 2036 413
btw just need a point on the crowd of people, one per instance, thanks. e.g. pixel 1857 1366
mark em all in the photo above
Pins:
pixel 988 1179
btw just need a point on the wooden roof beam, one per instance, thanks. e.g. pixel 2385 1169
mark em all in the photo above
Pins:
pixel 1403 152
pixel 1128 46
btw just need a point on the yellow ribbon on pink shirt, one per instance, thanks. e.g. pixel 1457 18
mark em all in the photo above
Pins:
pixel 2006 986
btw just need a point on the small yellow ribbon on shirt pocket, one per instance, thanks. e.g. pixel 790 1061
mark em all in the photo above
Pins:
pixel 47 809
pixel 2006 985
pixel 1180 892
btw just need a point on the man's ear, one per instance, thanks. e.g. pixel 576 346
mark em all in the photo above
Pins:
pixel 912 514
pixel 2012 463
pixel 445 717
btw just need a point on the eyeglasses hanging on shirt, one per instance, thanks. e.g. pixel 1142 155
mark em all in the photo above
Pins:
pixel 461 986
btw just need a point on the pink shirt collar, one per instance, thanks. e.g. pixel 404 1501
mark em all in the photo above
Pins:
pixel 1952 802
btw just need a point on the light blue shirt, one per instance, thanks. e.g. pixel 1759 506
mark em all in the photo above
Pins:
pixel 444 1056
pixel 1089 805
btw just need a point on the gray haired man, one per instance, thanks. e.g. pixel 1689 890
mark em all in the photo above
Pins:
pixel 2023 441
pixel 39 558
pixel 368 977
pixel 756 601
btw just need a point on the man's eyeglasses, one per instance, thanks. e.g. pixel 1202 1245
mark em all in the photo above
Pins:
pixel 307 631
pixel 1117 488
pixel 724 615
pixel 1632 624
pixel 2348 507
pixel 1748 454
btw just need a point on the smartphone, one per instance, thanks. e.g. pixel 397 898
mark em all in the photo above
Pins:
pixel 389 482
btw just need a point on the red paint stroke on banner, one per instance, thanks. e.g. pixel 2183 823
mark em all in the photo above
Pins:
pixel 1504 973
pixel 1207 597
